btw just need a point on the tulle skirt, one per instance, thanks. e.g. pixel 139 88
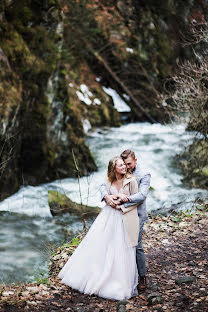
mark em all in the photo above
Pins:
pixel 104 264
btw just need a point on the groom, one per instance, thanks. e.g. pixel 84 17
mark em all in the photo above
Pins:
pixel 143 180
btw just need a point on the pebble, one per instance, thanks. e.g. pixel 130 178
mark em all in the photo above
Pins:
pixel 33 290
pixel 25 293
pixel 42 286
pixel 32 303
pixel 152 295
pixel 61 265
pixel 185 279
pixel 121 306
pixel 65 256
pixel 154 298
pixel 165 241
pixel 7 293
pixel 44 292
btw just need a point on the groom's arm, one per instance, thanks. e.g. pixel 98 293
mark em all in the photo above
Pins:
pixel 103 191
pixel 139 197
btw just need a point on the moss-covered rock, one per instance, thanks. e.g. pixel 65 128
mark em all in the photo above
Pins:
pixel 60 204
pixel 194 164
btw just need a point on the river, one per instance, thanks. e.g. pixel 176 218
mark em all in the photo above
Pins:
pixel 28 232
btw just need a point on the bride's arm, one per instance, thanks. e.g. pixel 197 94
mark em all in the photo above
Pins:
pixel 111 200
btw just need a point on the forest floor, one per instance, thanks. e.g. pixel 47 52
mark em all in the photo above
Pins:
pixel 177 254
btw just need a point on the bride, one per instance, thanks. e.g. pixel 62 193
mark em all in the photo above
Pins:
pixel 104 263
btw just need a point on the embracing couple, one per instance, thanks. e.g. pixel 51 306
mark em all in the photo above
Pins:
pixel 110 257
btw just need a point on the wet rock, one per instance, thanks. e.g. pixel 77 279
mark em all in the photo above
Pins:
pixel 154 298
pixel 33 290
pixel 121 306
pixel 60 204
pixel 25 293
pixel 7 293
pixel 42 286
pixel 191 263
pixel 158 309
pixel 34 303
pixel 79 309
pixel 185 279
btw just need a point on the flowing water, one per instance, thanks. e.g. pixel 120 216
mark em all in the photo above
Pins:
pixel 28 232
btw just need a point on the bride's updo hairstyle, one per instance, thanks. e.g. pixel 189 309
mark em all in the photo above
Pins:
pixel 111 169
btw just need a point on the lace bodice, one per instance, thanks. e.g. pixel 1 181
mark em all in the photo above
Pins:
pixel 113 190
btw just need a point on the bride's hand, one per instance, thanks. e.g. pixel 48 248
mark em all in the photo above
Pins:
pixel 117 207
pixel 124 198
pixel 111 200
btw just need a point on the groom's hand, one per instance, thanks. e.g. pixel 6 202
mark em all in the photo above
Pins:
pixel 123 198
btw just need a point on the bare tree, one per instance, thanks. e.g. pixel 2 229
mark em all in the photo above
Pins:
pixel 187 100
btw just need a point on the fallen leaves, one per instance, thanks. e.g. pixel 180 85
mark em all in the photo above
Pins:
pixel 176 248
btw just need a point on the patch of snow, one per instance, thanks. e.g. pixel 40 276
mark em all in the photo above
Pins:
pixel 85 90
pixel 127 97
pixel 96 101
pixel 83 98
pixel 119 104
pixel 86 125
pixel 59 29
pixel 85 94
pixel 130 50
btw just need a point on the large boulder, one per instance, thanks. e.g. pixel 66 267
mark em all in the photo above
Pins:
pixel 60 204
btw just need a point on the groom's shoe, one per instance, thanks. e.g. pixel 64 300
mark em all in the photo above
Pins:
pixel 142 283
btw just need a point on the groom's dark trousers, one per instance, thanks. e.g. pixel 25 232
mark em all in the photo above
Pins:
pixel 140 256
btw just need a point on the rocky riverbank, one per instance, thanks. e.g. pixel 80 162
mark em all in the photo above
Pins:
pixel 194 164
pixel 176 248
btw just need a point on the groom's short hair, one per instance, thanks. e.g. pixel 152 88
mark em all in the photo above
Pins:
pixel 125 154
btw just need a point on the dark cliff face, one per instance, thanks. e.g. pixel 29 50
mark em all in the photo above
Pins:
pixel 41 115
pixel 51 50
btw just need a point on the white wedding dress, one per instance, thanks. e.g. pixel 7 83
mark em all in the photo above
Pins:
pixel 104 264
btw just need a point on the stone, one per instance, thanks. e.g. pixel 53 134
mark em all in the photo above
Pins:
pixel 7 293
pixel 33 290
pixel 158 309
pixel 65 256
pixel 42 286
pixel 25 293
pixel 45 293
pixel 157 300
pixel 121 306
pixel 154 298
pixel 32 303
pixel 60 204
pixel 152 295
pixel 61 265
pixel 185 279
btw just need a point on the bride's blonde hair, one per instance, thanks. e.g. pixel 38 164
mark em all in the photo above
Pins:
pixel 111 174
